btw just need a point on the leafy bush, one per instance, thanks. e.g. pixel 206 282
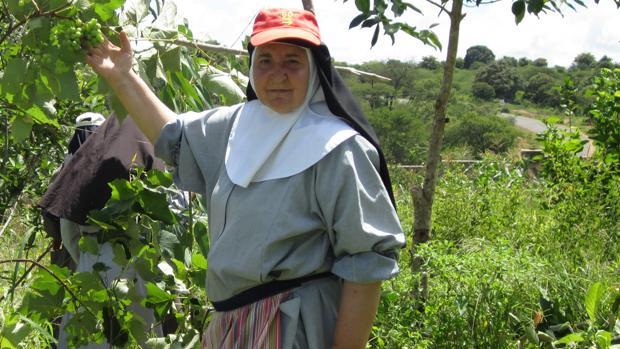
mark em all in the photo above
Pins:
pixel 605 114
pixel 481 133
pixel 483 90
pixel 403 134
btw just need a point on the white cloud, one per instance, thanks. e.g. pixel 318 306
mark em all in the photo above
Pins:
pixel 595 29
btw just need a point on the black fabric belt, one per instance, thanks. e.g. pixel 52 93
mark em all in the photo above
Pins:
pixel 264 291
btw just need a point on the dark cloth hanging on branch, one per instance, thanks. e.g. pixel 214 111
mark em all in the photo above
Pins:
pixel 108 154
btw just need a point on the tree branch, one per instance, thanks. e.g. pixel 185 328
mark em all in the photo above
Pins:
pixel 442 8
pixel 10 216
pixel 232 51
pixel 20 260
pixel 23 277
pixel 50 13
pixel 36 6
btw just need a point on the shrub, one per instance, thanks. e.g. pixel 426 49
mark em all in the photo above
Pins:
pixel 481 133
pixel 483 90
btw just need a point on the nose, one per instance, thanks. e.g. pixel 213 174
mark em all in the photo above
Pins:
pixel 279 73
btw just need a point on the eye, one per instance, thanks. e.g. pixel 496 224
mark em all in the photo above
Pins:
pixel 293 62
pixel 263 62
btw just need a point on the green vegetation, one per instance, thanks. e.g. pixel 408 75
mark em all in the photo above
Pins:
pixel 514 262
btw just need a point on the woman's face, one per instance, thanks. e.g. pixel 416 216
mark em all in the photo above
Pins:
pixel 281 75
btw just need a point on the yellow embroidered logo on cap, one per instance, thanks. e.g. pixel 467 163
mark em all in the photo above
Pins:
pixel 287 17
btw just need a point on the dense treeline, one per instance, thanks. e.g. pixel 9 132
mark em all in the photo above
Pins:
pixel 401 109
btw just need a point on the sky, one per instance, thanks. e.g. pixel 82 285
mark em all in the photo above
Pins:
pixel 595 29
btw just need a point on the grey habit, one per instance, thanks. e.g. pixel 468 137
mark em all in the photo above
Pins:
pixel 334 216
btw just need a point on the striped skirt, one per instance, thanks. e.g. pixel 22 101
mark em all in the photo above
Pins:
pixel 255 325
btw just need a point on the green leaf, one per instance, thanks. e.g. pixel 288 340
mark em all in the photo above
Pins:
pixel 158 178
pixel 552 120
pixel 114 332
pixel 167 242
pixel 122 190
pixel 100 267
pixel 158 299
pixel 530 332
pixel 14 74
pixel 156 206
pixel 201 235
pixel 171 60
pixel 102 219
pixel 21 128
pixel 86 281
pixel 593 298
pixel 69 86
pixel 14 331
pixel 82 5
pixel 44 281
pixel 136 10
pixel 518 9
pixel 369 23
pixel 375 37
pixel 88 244
pixel 535 6
pixel 603 339
pixel 39 116
pixel 199 270
pixel 105 9
pixel 120 254
pixel 20 9
pixel 570 338
pixel 357 20
pixel 363 6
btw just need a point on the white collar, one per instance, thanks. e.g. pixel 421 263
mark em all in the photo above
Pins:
pixel 265 145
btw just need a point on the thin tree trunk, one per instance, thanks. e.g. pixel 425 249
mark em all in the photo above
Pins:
pixel 423 196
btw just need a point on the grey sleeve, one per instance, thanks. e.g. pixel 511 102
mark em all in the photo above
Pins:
pixel 364 229
pixel 174 148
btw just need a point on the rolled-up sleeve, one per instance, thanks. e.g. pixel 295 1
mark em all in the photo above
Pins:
pixel 364 230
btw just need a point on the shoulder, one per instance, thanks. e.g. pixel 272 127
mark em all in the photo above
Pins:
pixel 356 151
pixel 211 116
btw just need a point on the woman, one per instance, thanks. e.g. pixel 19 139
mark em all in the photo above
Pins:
pixel 301 218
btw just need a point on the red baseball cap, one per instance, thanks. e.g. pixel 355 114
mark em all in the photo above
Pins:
pixel 279 23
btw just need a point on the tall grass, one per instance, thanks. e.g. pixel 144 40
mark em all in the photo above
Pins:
pixel 506 249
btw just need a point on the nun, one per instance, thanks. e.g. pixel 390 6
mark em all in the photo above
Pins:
pixel 302 222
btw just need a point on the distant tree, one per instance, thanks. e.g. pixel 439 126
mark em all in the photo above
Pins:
pixel 523 62
pixel 399 72
pixel 511 61
pixel 483 90
pixel 605 62
pixel 584 60
pixel 403 134
pixel 481 134
pixel 540 62
pixel 460 63
pixel 541 89
pixel 478 53
pixel 429 62
pixel 503 78
pixel 560 69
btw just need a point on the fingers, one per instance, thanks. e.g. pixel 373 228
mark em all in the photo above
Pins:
pixel 95 51
pixel 125 44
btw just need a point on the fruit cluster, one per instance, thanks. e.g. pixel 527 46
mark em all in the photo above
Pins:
pixel 75 35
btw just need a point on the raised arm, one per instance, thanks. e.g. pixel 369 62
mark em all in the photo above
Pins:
pixel 114 63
